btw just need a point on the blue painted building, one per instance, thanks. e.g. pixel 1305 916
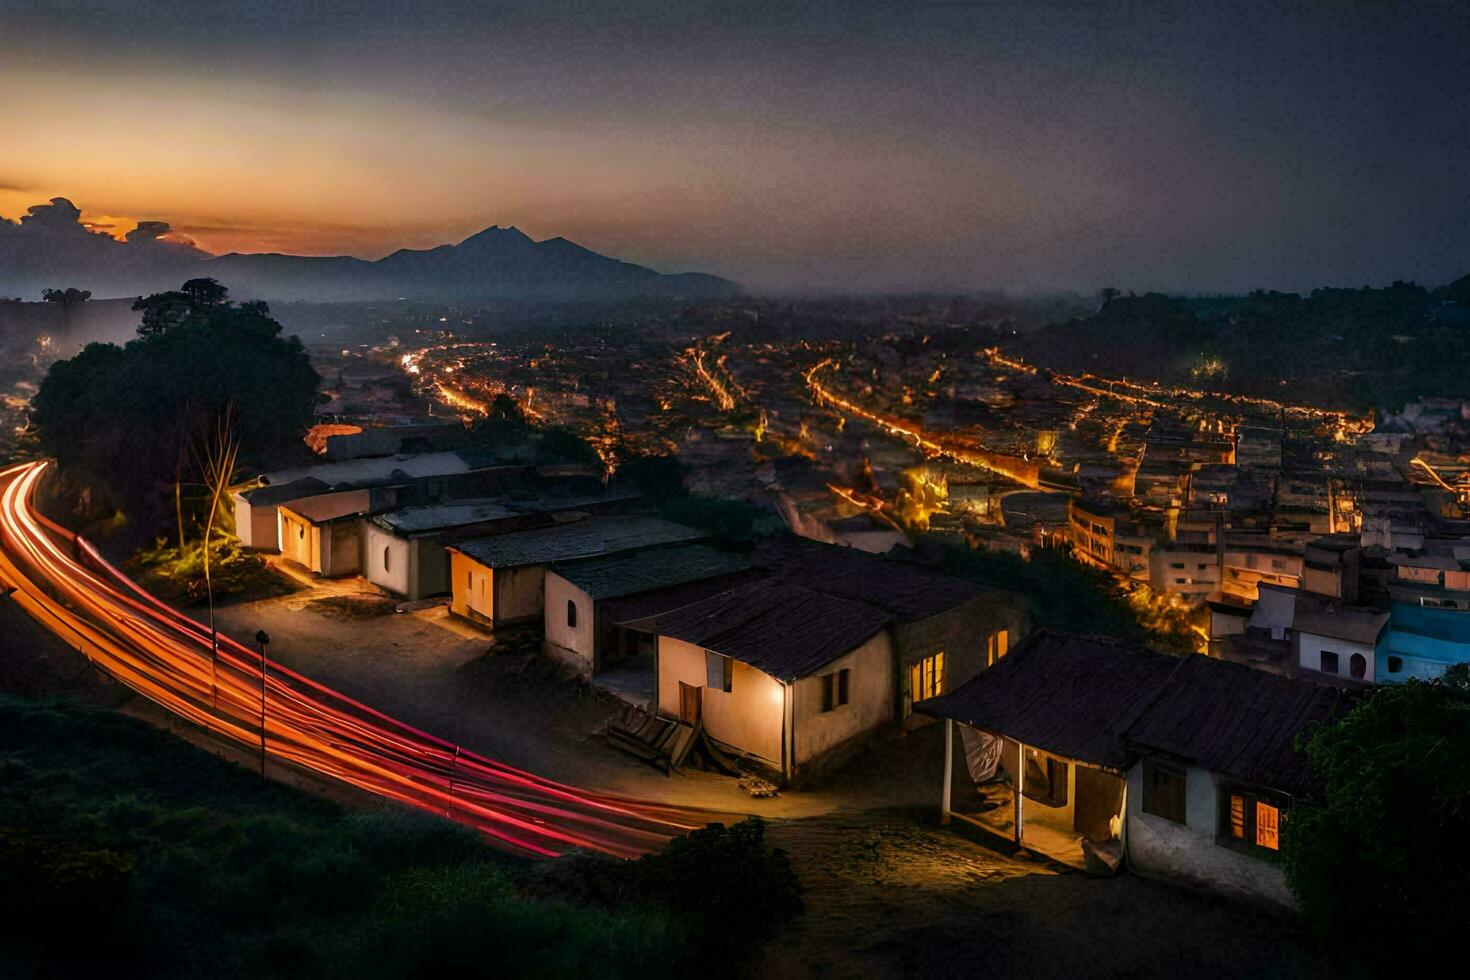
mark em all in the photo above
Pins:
pixel 1421 643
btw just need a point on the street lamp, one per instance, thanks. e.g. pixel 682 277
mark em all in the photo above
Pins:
pixel 262 638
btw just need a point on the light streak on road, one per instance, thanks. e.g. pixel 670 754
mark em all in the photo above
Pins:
pixel 66 586
pixel 1022 471
pixel 1160 396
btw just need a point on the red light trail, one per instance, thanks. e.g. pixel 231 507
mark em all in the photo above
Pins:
pixel 64 584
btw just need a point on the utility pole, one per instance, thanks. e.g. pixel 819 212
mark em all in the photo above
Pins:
pixel 262 638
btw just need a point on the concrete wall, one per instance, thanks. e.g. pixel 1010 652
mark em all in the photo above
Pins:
pixel 963 634
pixel 1310 647
pixel 869 700
pixel 342 554
pixel 519 593
pixel 1188 852
pixel 574 645
pixel 748 718
pixel 257 527
pixel 430 569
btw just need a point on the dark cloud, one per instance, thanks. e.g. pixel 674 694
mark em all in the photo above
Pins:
pixel 51 246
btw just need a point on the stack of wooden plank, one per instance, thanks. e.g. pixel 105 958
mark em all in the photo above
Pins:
pixel 661 742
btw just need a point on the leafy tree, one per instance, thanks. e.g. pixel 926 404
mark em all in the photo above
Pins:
pixel 127 421
pixel 204 293
pixel 1382 850
pixel 68 299
pixel 162 312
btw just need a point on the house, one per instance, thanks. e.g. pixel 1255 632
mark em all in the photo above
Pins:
pixel 1041 736
pixel 501 578
pixel 404 549
pixel 1217 771
pixel 1090 750
pixel 583 616
pixel 946 629
pixel 1421 642
pixel 790 678
pixel 256 515
pixel 1334 641
pixel 321 532
pixel 257 510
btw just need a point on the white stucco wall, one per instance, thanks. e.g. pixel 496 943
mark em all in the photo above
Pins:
pixel 386 559
pixel 1188 852
pixel 748 717
pixel 299 541
pixel 1310 647
pixel 869 705
pixel 578 641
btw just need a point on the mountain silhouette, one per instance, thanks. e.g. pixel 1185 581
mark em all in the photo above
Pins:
pixel 50 247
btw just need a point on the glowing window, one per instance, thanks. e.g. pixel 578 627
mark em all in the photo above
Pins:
pixel 999 645
pixel 926 678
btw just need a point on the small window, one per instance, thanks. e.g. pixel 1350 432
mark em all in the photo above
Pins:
pixel 1329 662
pixel 1395 664
pixel 1163 790
pixel 571 614
pixel 718 671
pixel 1250 822
pixel 1358 665
pixel 999 645
pixel 1176 564
pixel 834 689
pixel 1045 779
pixel 300 531
pixel 385 557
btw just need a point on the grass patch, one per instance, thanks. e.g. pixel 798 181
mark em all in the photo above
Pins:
pixel 127 852
pixel 237 575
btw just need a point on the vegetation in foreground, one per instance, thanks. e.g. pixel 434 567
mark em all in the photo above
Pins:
pixel 124 851
pixel 1383 849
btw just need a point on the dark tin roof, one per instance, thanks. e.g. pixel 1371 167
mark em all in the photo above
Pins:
pixel 625 609
pixel 1239 722
pixel 609 576
pixel 906 591
pixel 781 628
pixel 1070 695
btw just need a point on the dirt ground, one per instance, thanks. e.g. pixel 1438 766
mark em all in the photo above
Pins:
pixel 890 896
pixel 888 893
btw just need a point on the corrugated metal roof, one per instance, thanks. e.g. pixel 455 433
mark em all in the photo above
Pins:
pixel 1069 695
pixel 783 629
pixel 433 517
pixel 584 539
pixel 623 574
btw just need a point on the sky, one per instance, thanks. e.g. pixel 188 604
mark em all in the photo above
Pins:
pixel 852 145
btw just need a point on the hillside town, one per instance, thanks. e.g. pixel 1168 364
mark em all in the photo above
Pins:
pixel 1316 554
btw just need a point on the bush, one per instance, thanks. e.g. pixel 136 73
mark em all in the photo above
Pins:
pixel 1382 846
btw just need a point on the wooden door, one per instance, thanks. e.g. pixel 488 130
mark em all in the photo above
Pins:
pixel 691 700
pixel 1099 798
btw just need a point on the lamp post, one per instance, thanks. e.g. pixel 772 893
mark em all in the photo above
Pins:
pixel 262 638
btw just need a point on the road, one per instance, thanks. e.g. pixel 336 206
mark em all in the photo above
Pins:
pixel 64 584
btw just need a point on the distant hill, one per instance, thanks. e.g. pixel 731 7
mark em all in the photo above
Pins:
pixel 50 247
pixel 1348 348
